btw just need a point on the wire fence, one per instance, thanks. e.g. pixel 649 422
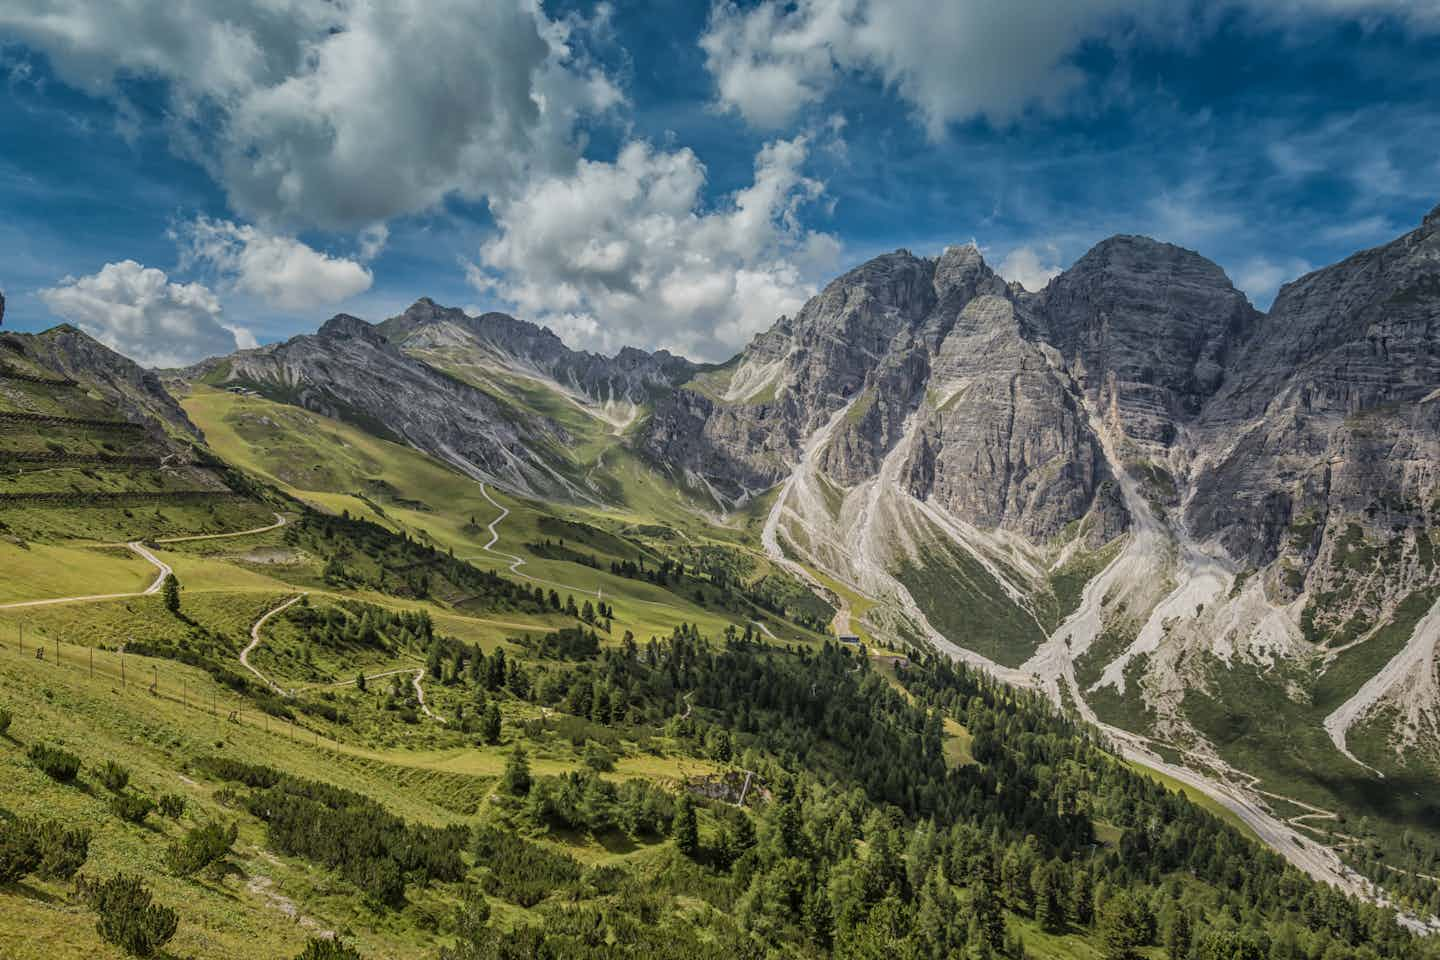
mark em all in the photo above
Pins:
pixel 159 680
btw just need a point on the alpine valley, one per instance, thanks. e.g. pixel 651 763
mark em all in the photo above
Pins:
pixel 949 618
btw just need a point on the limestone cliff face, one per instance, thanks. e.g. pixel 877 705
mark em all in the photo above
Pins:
pixel 1328 408
pixel 138 393
pixel 1005 441
pixel 941 353
pixel 1146 329
pixel 1253 421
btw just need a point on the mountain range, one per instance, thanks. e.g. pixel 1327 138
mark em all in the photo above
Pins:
pixel 1207 528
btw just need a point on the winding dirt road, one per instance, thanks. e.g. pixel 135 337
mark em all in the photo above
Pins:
pixel 420 696
pixel 163 569
pixel 255 642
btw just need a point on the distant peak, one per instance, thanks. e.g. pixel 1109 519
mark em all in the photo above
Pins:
pixel 345 325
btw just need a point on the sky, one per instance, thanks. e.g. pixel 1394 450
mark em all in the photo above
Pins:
pixel 182 180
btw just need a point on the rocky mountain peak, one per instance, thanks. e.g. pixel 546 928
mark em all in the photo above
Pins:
pixel 1433 217
pixel 346 325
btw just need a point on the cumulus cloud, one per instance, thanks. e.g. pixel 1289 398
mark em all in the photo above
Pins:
pixel 1030 267
pixel 954 60
pixel 137 311
pixel 339 115
pixel 623 253
pixel 280 270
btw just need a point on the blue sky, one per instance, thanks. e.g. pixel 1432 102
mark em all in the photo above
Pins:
pixel 182 180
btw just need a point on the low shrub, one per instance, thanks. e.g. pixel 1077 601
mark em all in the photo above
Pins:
pixel 328 948
pixel 131 807
pixel 114 777
pixel 43 847
pixel 59 765
pixel 127 915
pixel 19 854
pixel 171 805
pixel 199 847
pixel 63 851
pixel 4 722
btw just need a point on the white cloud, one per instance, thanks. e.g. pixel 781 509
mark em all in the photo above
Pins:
pixel 280 270
pixel 1261 277
pixel 960 58
pixel 623 253
pixel 139 312
pixel 1029 267
pixel 339 115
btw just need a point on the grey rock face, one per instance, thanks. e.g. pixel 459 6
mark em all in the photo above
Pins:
pixel 138 392
pixel 937 347
pixel 1006 442
pixel 1147 330
pixel 632 375
pixel 1312 410
pixel 1325 411
pixel 351 371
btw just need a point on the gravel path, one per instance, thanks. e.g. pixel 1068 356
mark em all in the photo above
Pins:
pixel 255 642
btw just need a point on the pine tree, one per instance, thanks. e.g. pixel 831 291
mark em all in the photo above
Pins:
pixel 1049 897
pixel 490 726
pixel 516 780
pixel 687 828
pixel 1177 938
pixel 171 590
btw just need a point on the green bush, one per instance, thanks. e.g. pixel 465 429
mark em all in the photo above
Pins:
pixel 62 851
pixel 171 805
pixel 127 916
pixel 19 854
pixel 131 807
pixel 43 847
pixel 4 722
pixel 327 948
pixel 114 777
pixel 200 847
pixel 59 765
pixel 598 758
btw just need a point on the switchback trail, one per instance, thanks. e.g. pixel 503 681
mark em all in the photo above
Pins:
pixel 516 562
pixel 255 642
pixel 420 696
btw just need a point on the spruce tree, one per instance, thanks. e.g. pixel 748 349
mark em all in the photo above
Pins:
pixel 516 780
pixel 687 828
